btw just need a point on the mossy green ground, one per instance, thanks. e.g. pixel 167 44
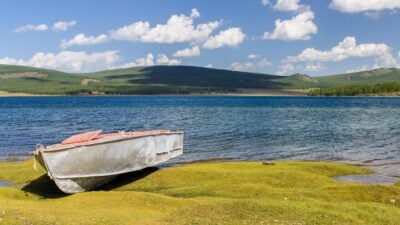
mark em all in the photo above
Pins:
pixel 203 193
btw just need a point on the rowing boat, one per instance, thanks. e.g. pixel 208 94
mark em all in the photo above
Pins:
pixel 88 160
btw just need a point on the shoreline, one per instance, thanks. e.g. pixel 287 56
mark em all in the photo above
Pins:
pixel 18 94
pixel 283 93
pixel 382 173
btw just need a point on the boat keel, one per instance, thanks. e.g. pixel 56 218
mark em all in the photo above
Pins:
pixel 81 184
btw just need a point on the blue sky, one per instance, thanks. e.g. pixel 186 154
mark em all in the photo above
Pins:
pixel 275 36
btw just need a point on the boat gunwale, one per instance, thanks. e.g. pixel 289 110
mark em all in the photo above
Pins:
pixel 48 149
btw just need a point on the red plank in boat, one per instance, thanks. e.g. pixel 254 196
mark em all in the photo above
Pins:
pixel 95 135
pixel 83 137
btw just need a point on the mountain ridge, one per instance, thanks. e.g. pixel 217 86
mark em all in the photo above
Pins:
pixel 173 80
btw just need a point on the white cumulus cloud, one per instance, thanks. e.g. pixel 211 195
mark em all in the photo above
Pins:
pixel 195 13
pixel 265 2
pixel 253 56
pixel 250 66
pixel 187 52
pixel 150 60
pixel 230 37
pixel 287 5
pixel 178 29
pixel 68 61
pixel 82 39
pixel 299 27
pixel 357 6
pixel 63 25
pixel 314 67
pixel 146 61
pixel 162 59
pixel 285 67
pixel 29 27
pixel 345 49
pixel 132 32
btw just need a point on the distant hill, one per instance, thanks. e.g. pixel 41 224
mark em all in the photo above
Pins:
pixel 140 80
pixel 171 80
pixel 375 76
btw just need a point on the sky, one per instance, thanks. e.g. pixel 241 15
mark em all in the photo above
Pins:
pixel 267 36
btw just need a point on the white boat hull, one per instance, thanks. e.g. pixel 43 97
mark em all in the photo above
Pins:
pixel 86 167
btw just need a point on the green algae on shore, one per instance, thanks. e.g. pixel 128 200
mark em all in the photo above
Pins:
pixel 204 193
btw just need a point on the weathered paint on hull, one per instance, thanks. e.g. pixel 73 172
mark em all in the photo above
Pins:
pixel 86 167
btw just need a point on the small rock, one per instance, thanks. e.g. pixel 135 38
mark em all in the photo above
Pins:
pixel 285 198
pixel 268 163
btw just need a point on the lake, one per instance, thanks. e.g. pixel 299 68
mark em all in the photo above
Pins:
pixel 357 129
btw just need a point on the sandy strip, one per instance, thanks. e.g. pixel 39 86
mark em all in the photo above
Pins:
pixel 243 93
pixel 19 94
pixel 9 94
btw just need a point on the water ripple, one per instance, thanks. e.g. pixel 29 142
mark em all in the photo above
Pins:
pixel 251 128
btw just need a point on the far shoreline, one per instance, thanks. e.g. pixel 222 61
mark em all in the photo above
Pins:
pixel 266 93
pixel 20 94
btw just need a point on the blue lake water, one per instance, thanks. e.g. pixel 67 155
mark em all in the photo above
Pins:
pixel 255 128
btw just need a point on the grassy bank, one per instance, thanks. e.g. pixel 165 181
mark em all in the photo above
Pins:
pixel 203 193
pixel 380 89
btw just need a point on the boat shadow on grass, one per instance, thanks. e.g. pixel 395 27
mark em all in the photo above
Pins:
pixel 46 188
pixel 128 178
